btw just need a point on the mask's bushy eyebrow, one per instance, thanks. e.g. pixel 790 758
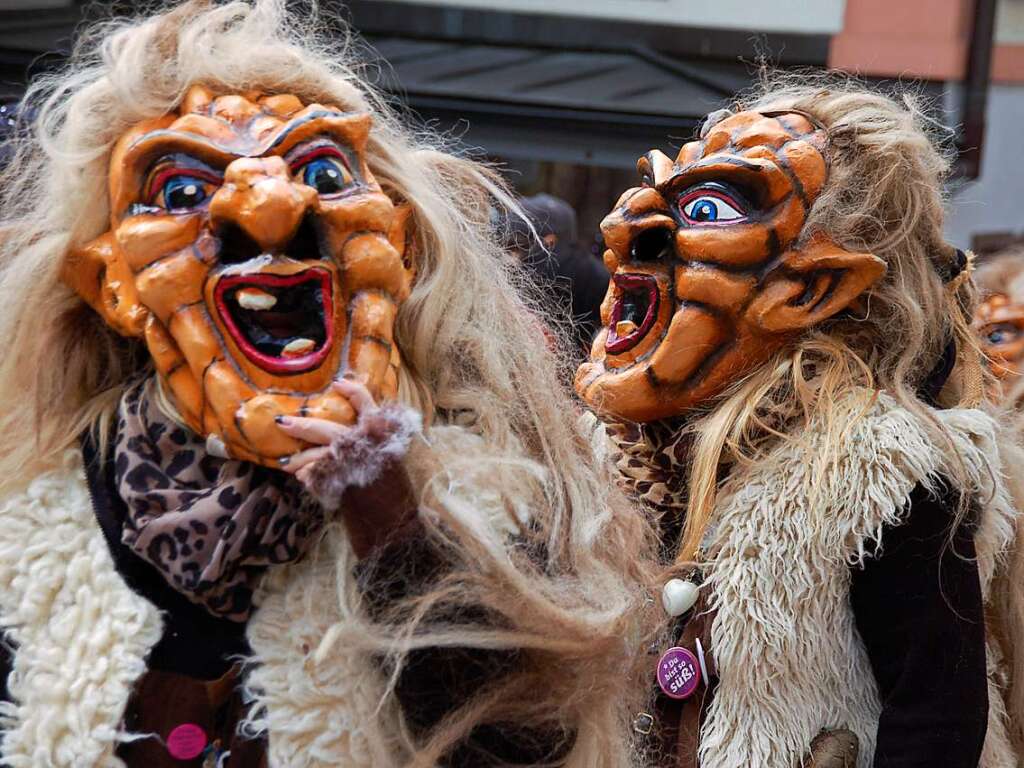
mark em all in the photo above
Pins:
pixel 346 129
pixel 316 142
pixel 148 149
pixel 747 180
pixel 294 126
pixel 177 160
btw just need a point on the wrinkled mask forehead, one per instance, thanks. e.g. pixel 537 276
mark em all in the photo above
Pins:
pixel 254 253
pixel 712 269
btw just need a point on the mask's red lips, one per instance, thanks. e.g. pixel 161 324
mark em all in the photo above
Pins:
pixel 282 323
pixel 635 308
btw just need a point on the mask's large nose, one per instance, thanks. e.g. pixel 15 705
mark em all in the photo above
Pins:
pixel 260 198
pixel 640 229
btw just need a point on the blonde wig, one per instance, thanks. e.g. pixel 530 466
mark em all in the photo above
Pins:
pixel 504 440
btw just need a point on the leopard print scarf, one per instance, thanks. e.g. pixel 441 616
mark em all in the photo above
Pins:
pixel 650 460
pixel 211 526
pixel 652 467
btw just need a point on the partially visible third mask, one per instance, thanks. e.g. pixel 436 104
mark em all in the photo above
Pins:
pixel 999 318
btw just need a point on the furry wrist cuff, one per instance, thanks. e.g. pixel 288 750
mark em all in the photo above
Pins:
pixel 361 454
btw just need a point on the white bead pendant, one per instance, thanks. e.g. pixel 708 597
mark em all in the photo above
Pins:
pixel 678 596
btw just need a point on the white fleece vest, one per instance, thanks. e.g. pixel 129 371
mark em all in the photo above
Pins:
pixel 789 656
pixel 83 636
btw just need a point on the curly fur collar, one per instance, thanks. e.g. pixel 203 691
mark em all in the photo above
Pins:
pixel 82 637
pixel 787 635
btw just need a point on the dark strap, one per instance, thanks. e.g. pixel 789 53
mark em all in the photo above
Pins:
pixel 948 272
pixel 938 376
pixel 6 664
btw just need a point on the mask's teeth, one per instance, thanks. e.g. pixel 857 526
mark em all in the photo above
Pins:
pixel 624 328
pixel 298 347
pixel 255 299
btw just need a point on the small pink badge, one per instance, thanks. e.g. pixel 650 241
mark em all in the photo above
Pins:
pixel 186 741
pixel 678 673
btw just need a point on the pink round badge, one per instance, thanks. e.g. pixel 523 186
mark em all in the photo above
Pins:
pixel 186 741
pixel 678 673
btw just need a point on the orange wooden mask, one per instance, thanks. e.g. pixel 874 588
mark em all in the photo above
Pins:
pixel 254 253
pixel 711 270
pixel 999 322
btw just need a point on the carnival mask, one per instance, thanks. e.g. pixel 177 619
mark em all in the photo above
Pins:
pixel 254 253
pixel 999 322
pixel 712 272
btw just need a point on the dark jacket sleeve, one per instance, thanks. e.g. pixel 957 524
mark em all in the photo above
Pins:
pixel 918 607
pixel 6 664
pixel 434 682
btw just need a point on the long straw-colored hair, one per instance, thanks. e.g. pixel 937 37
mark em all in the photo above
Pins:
pixel 504 433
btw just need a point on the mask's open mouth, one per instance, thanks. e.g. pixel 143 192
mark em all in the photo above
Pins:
pixel 283 323
pixel 636 306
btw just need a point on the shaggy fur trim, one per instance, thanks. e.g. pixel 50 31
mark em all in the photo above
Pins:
pixel 998 751
pixel 317 705
pixel 790 659
pixel 82 635
pixel 359 455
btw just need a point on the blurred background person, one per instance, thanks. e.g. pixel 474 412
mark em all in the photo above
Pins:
pixel 570 282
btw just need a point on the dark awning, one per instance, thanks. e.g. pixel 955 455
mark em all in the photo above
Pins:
pixel 34 38
pixel 594 107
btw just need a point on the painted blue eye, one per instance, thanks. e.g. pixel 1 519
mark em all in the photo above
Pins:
pixel 184 192
pixel 703 207
pixel 1003 333
pixel 704 210
pixel 326 174
pixel 178 183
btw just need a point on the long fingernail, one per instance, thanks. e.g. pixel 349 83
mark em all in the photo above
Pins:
pixel 283 460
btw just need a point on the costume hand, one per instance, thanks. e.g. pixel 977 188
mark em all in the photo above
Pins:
pixel 833 749
pixel 358 469
pixel 371 426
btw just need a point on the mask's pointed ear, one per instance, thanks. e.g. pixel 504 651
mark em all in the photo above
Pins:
pixel 106 283
pixel 400 235
pixel 813 284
